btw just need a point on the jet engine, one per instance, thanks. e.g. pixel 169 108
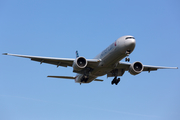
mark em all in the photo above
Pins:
pixel 136 68
pixel 79 63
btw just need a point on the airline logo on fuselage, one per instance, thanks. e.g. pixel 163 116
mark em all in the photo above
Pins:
pixel 115 43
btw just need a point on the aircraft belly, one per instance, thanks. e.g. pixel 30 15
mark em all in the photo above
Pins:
pixel 109 62
pixel 90 79
pixel 101 71
pixel 80 78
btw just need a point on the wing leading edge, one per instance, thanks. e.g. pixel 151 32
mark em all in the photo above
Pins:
pixel 125 66
pixel 64 62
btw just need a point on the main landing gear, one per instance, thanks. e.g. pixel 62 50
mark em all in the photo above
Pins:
pixel 84 79
pixel 115 81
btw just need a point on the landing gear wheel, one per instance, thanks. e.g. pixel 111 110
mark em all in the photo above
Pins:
pixel 115 81
pixel 127 55
pixel 127 59
pixel 112 82
pixel 119 80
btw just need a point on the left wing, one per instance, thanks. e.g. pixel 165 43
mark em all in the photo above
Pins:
pixel 64 62
pixel 125 66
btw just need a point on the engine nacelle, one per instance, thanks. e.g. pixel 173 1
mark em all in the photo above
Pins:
pixel 136 68
pixel 79 63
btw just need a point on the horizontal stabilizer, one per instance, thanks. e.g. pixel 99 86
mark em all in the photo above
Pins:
pixel 65 77
pixel 98 80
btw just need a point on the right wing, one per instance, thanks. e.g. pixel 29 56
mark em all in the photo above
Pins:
pixel 125 66
pixel 64 62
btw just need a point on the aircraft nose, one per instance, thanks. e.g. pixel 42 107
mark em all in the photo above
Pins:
pixel 130 43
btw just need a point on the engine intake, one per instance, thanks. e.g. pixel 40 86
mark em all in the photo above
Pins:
pixel 79 63
pixel 136 68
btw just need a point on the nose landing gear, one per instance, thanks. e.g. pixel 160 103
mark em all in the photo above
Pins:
pixel 127 55
pixel 127 59
pixel 115 81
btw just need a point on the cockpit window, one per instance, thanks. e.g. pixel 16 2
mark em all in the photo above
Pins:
pixel 130 38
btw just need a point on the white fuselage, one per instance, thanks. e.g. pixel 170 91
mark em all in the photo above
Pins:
pixel 110 57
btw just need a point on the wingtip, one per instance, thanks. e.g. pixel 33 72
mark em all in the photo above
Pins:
pixel 5 54
pixel 175 67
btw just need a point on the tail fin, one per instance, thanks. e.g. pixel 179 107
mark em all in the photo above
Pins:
pixel 77 54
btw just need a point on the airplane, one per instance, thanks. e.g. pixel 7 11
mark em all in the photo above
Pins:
pixel 108 62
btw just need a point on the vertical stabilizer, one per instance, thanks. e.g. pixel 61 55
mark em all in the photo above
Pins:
pixel 77 54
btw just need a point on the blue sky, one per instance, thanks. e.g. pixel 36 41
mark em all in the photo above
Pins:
pixel 59 28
